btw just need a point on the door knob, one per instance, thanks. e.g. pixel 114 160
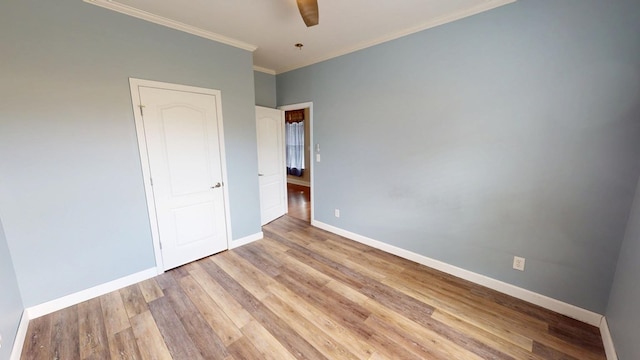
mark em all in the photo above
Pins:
pixel 260 174
pixel 216 185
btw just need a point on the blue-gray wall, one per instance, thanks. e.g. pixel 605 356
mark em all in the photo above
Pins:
pixel 265 87
pixel 512 132
pixel 10 301
pixel 622 312
pixel 71 189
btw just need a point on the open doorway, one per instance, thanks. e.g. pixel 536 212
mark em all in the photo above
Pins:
pixel 299 121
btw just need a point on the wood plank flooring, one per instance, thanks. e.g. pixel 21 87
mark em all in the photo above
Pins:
pixel 299 201
pixel 303 293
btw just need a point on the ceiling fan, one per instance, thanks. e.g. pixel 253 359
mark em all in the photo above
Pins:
pixel 309 11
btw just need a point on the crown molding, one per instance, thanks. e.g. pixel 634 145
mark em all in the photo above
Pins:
pixel 156 19
pixel 264 70
pixel 488 5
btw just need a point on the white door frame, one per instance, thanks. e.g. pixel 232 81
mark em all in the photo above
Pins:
pixel 144 157
pixel 312 157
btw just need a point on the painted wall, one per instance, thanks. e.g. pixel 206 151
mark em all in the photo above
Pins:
pixel 10 302
pixel 512 132
pixel 265 88
pixel 622 312
pixel 71 189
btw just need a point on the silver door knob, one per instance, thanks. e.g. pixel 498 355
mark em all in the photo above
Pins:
pixel 216 186
pixel 260 174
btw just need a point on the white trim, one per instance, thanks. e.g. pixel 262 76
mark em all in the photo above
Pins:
pixel 298 182
pixel 312 159
pixel 546 302
pixel 246 240
pixel 160 20
pixel 485 6
pixel 135 84
pixel 156 19
pixel 607 340
pixel 21 335
pixel 146 174
pixel 90 293
pixel 264 70
pixel 223 165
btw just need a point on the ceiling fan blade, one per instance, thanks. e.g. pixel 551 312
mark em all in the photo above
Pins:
pixel 309 11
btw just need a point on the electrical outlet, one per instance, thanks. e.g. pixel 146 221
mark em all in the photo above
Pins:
pixel 518 263
pixel 336 212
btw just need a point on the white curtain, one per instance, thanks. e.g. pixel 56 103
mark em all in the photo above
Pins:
pixel 295 147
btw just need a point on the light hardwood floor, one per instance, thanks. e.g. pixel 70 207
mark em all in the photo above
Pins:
pixel 303 293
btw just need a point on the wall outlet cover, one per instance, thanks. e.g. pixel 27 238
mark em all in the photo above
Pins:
pixel 518 263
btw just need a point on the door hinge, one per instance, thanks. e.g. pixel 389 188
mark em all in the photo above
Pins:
pixel 141 111
pixel 160 243
pixel 151 181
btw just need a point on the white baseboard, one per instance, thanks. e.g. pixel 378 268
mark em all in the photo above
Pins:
pixel 607 340
pixel 298 182
pixel 84 295
pixel 246 240
pixel 21 335
pixel 546 302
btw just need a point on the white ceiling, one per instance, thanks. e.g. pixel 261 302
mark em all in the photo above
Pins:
pixel 271 28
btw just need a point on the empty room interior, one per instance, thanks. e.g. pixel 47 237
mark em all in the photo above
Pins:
pixel 472 170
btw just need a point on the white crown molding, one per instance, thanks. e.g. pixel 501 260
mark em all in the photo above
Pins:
pixel 156 19
pixel 546 302
pixel 492 4
pixel 264 70
pixel 246 240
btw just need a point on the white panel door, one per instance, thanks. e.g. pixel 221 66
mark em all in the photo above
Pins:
pixel 183 142
pixel 271 163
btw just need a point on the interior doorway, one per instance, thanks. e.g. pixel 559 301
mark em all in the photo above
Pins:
pixel 181 144
pixel 300 188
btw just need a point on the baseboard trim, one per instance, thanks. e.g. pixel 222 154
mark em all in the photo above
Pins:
pixel 607 340
pixel 21 335
pixel 246 240
pixel 546 302
pixel 84 295
pixel 298 182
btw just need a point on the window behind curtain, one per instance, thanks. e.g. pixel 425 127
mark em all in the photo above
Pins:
pixel 294 137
